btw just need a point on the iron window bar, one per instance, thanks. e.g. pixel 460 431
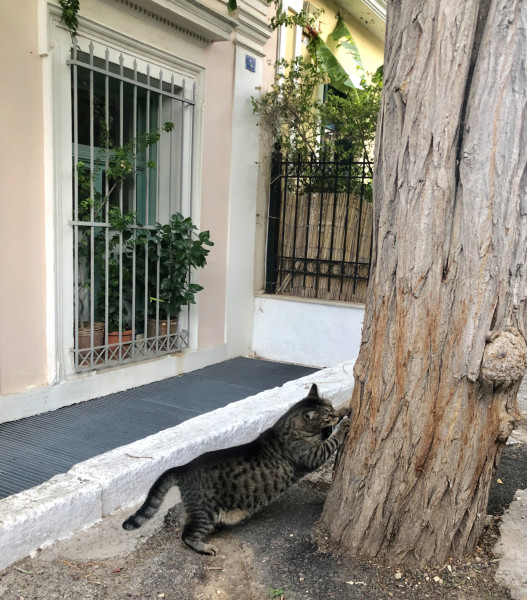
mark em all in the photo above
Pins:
pixel 85 67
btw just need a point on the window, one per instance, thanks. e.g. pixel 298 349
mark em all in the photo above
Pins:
pixel 132 130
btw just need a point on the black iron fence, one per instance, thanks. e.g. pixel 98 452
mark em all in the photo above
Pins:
pixel 320 229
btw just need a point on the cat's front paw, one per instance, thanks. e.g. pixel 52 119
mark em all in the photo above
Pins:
pixel 345 411
pixel 344 425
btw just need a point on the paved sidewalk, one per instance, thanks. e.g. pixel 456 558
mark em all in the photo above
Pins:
pixel 34 449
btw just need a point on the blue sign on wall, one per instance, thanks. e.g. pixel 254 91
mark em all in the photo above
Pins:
pixel 250 63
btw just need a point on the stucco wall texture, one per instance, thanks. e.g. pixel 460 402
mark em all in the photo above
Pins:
pixel 22 231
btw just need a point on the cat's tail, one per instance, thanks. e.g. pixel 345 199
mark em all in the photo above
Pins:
pixel 153 501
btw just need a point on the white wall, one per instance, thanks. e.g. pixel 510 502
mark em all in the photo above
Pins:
pixel 251 35
pixel 307 332
pixel 242 209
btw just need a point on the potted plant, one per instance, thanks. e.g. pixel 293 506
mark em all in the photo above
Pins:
pixel 173 249
pixel 86 343
pixel 117 315
pixel 114 304
pixel 108 267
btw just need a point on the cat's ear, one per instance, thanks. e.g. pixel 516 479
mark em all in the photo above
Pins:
pixel 310 415
pixel 313 392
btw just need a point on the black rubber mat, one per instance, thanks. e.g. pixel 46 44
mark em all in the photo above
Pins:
pixel 34 449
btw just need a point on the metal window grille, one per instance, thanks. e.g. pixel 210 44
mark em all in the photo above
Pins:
pixel 117 273
pixel 320 229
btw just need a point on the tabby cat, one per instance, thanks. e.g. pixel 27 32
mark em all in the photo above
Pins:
pixel 226 486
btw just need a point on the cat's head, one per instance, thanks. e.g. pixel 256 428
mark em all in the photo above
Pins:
pixel 313 414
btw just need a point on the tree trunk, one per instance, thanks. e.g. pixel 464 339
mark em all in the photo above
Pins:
pixel 435 396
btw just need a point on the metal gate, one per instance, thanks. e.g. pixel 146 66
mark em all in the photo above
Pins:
pixel 320 229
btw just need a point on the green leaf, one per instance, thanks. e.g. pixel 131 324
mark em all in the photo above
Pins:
pixel 232 5
pixel 340 79
pixel 341 31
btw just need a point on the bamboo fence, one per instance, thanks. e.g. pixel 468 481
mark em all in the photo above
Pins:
pixel 324 246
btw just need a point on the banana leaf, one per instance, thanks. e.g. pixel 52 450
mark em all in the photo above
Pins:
pixel 341 31
pixel 340 80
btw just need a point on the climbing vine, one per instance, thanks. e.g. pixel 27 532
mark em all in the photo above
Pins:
pixel 70 9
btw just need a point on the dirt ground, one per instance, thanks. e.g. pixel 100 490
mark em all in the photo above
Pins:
pixel 276 554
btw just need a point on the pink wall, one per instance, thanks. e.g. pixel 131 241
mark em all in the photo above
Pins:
pixel 23 344
pixel 22 262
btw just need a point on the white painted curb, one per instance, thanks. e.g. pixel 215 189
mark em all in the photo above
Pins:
pixel 119 478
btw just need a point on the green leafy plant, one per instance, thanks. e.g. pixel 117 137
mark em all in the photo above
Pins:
pixel 112 245
pixel 70 9
pixel 166 257
pixel 352 118
pixel 120 167
pixel 342 35
pixel 338 129
pixel 289 111
pixel 117 316
pixel 302 124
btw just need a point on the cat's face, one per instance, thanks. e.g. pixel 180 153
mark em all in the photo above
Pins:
pixel 318 417
pixel 313 414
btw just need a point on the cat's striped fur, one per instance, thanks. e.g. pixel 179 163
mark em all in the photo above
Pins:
pixel 226 486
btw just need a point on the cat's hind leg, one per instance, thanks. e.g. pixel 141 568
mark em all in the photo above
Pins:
pixel 199 524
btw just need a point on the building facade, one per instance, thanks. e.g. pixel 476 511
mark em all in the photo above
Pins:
pixel 69 108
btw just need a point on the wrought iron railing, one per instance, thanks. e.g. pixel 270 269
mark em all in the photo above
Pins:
pixel 320 229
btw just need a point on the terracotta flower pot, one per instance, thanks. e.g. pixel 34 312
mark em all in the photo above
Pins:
pixel 113 344
pixel 84 341
pixel 85 335
pixel 163 327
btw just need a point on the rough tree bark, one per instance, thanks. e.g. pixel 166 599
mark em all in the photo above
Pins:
pixel 450 237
